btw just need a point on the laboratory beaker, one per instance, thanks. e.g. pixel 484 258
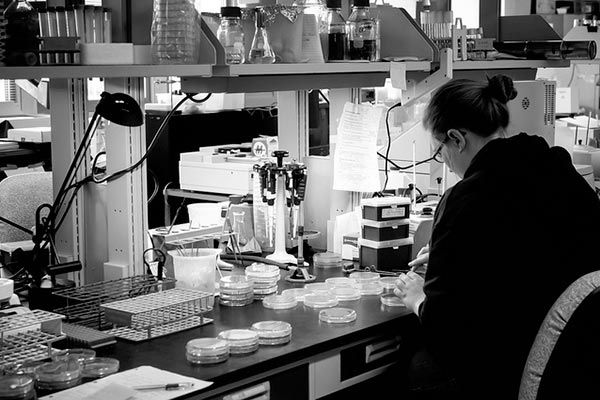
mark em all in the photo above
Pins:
pixel 195 269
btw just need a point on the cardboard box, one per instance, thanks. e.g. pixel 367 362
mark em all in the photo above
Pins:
pixel 350 246
pixel 35 135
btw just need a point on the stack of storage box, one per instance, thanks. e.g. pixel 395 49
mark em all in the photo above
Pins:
pixel 385 243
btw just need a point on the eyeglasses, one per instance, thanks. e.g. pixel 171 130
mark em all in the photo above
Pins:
pixel 437 156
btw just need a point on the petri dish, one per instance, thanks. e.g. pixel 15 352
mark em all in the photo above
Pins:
pixel 265 291
pixel 391 300
pixel 337 315
pixel 261 270
pixel 17 387
pixel 364 276
pixel 239 338
pixel 235 284
pixel 76 354
pixel 388 283
pixel 207 350
pixel 297 293
pixel 320 301
pixel 340 282
pixel 272 333
pixel 280 302
pixel 346 293
pixel 58 375
pixel 370 288
pixel 327 260
pixel 236 302
pixel 100 367
pixel 318 288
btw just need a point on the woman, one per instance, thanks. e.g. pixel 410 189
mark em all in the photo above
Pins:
pixel 507 240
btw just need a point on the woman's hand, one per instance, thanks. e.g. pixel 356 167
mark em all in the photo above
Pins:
pixel 409 287
pixel 421 260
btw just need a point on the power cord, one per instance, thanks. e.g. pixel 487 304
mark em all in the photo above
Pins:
pixel 389 142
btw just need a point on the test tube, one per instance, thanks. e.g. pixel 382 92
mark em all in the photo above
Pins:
pixel 71 26
pixel 44 32
pixel 88 12
pixel 98 25
pixel 107 25
pixel 53 58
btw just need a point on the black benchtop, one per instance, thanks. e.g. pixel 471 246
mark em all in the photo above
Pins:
pixel 309 337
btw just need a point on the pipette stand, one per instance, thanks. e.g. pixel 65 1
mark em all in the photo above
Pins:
pixel 280 255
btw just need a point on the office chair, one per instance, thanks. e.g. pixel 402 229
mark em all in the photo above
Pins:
pixel 20 196
pixel 564 361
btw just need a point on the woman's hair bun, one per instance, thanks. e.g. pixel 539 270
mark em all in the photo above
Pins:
pixel 502 88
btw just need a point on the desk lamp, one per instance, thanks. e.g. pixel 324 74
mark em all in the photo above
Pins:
pixel 118 108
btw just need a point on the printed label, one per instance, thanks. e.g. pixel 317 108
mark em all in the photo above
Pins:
pixel 398 212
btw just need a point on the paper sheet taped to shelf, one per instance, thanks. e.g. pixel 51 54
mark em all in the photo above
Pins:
pixel 122 384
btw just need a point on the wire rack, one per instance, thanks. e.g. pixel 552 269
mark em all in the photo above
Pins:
pixel 83 302
pixel 160 313
pixel 29 336
pixel 162 330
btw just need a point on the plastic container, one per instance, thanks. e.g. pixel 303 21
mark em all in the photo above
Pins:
pixel 241 341
pixel 385 208
pixel 340 282
pixel 297 293
pixel 207 350
pixel 346 293
pixel 236 291
pixel 370 288
pixel 273 333
pixel 391 300
pixel 58 375
pixel 318 288
pixel 360 277
pixel 320 301
pixel 100 367
pixel 195 269
pixel 231 35
pixel 388 283
pixel 175 32
pixel 17 387
pixel 337 315
pixel 80 355
pixel 327 260
pixel 280 301
pixel 386 256
pixel 385 230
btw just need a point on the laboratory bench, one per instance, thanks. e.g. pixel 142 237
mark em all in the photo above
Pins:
pixel 320 361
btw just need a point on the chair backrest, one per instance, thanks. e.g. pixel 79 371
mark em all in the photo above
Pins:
pixel 564 360
pixel 20 196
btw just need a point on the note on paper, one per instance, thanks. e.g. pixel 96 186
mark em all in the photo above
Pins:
pixel 355 165
pixel 398 75
pixel 121 385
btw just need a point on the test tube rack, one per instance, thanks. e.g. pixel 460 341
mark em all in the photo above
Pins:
pixel 158 314
pixel 28 336
pixel 83 302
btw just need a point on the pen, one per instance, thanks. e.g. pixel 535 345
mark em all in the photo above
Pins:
pixel 166 386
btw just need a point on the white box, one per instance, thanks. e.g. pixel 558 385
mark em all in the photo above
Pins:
pixel 27 121
pixel 37 135
pixel 106 53
pixel 567 100
pixel 227 178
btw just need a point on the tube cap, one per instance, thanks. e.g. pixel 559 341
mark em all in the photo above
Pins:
pixel 231 12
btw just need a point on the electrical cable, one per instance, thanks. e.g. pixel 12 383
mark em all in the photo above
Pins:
pixel 389 143
pixel 156 185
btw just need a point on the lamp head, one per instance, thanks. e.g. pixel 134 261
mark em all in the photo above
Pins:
pixel 120 108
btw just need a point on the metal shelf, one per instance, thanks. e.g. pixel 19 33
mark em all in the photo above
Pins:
pixel 508 64
pixel 104 71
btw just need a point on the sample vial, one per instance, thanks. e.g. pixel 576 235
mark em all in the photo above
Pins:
pixel 231 35
pixel 362 32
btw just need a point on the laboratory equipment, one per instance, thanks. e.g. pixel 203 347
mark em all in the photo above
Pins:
pixel 207 350
pixel 100 367
pixel 261 51
pixel 241 341
pixel 337 315
pixel 264 278
pixel 272 333
pixel 231 35
pixel 280 301
pixel 58 375
pixel 175 32
pixel 363 32
pixel 385 255
pixel 236 290
pixel 17 387
pixel 22 30
pixel 282 186
pixel 80 355
pixel 320 301
pixel 336 48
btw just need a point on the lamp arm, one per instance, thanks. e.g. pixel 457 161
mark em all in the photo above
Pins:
pixel 14 224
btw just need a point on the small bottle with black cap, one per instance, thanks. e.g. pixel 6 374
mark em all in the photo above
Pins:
pixel 231 35
pixel 362 32
pixel 337 36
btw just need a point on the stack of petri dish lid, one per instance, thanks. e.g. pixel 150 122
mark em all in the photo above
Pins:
pixel 273 333
pixel 236 290
pixel 297 293
pixel 318 288
pixel 367 282
pixel 320 301
pixel 76 354
pixel 100 367
pixel 341 282
pixel 280 301
pixel 337 315
pixel 327 260
pixel 58 375
pixel 207 350
pixel 241 341
pixel 346 293
pixel 264 277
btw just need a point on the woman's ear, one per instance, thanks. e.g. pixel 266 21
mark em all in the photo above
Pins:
pixel 458 138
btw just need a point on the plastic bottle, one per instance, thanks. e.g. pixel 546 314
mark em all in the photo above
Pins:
pixel 231 35
pixel 362 32
pixel 261 51
pixel 337 36
pixel 22 31
pixel 175 32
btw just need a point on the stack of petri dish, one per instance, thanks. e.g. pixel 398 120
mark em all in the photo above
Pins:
pixel 297 293
pixel 264 277
pixel 387 296
pixel 367 283
pixel 343 293
pixel 337 315
pixel 236 290
pixel 318 288
pixel 17 387
pixel 76 354
pixel 273 333
pixel 207 350
pixel 327 260
pixel 340 282
pixel 100 367
pixel 320 301
pixel 241 341
pixel 58 375
pixel 280 301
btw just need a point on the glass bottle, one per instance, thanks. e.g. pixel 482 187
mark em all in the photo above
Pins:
pixel 22 30
pixel 261 51
pixel 362 32
pixel 231 35
pixel 337 38
pixel 316 8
